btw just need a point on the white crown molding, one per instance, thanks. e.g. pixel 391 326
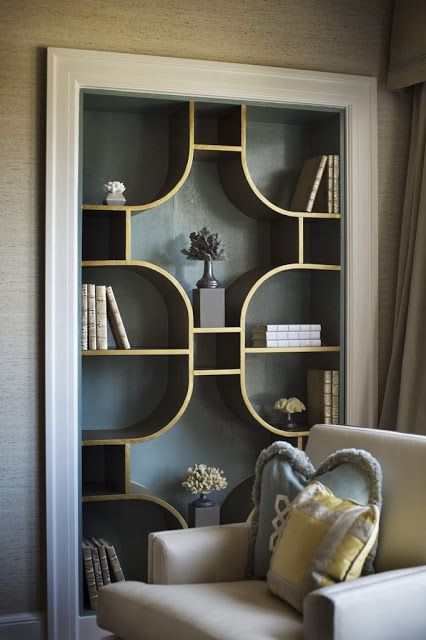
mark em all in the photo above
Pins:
pixel 69 71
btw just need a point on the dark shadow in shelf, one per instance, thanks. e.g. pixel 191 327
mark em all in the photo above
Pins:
pixel 216 351
pixel 104 235
pixel 217 124
pixel 322 244
pixel 238 504
pixel 105 470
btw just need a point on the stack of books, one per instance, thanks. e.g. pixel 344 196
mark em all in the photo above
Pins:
pixel 286 335
pixel 101 567
pixel 318 186
pixel 323 396
pixel 97 305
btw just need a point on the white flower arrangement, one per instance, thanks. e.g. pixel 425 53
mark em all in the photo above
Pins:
pixel 203 479
pixel 289 405
pixel 114 187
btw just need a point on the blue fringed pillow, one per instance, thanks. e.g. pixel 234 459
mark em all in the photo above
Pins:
pixel 282 472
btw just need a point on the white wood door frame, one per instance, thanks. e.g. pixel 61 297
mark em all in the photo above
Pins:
pixel 70 71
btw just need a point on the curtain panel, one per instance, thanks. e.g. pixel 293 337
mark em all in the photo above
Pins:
pixel 404 405
pixel 407 61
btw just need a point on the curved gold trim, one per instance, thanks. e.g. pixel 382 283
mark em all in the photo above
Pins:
pixel 244 349
pixel 140 496
pixel 155 203
pixel 190 351
pixel 258 193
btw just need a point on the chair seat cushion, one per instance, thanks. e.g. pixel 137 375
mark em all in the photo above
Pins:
pixel 243 610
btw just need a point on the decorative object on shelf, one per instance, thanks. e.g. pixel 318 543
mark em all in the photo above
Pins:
pixel 289 406
pixel 114 191
pixel 201 479
pixel 208 247
pixel 208 298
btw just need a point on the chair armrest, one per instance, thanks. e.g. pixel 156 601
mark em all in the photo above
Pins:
pixel 385 606
pixel 205 554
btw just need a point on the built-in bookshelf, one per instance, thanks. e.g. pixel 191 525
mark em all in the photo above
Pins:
pixel 181 393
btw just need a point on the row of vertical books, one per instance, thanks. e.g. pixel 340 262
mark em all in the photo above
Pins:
pixel 98 307
pixel 323 396
pixel 318 186
pixel 101 567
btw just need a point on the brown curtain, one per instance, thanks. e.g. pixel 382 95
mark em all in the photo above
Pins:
pixel 407 59
pixel 404 406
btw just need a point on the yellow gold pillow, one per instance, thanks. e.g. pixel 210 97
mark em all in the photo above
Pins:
pixel 325 540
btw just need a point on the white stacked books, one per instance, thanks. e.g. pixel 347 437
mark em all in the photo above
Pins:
pixel 98 306
pixel 287 335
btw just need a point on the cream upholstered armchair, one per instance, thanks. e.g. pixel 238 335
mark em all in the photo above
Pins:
pixel 198 589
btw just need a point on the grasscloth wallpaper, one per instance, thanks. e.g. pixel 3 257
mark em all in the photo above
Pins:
pixel 328 35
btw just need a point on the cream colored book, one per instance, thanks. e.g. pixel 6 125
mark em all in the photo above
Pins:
pixel 91 316
pixel 336 184
pixel 116 321
pixel 114 563
pixel 330 183
pixel 96 564
pixel 319 384
pixel 335 393
pixel 84 337
pixel 103 560
pixel 308 183
pixel 101 318
pixel 89 573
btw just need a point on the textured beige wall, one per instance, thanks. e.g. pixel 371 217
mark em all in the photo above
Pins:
pixel 329 35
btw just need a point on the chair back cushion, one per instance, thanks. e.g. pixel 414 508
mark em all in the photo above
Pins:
pixel 402 539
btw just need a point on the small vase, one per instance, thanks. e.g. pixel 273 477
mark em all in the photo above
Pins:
pixel 208 280
pixel 289 425
pixel 115 199
pixel 203 502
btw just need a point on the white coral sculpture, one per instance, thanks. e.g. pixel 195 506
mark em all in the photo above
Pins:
pixel 289 405
pixel 114 187
pixel 203 479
